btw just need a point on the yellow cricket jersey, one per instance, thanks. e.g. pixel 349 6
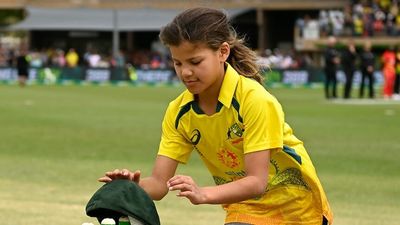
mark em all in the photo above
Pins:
pixel 248 119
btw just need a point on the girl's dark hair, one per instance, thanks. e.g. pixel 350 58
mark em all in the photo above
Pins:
pixel 212 27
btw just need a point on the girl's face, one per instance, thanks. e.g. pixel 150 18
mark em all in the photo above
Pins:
pixel 200 68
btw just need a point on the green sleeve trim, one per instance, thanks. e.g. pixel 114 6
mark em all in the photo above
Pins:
pixel 236 105
pixel 292 153
pixel 182 112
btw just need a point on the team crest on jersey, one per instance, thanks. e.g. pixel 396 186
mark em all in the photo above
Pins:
pixel 235 131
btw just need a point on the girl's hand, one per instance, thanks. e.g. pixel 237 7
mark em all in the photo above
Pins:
pixel 121 174
pixel 187 188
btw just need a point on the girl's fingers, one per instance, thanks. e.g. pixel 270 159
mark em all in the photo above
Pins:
pixel 186 194
pixel 187 188
pixel 180 179
pixel 136 176
pixel 120 174
pixel 125 172
pixel 116 172
pixel 104 179
pixel 181 187
pixel 113 174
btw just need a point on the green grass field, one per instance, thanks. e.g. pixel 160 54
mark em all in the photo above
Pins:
pixel 57 140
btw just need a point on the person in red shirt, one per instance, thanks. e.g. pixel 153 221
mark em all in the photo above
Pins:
pixel 389 72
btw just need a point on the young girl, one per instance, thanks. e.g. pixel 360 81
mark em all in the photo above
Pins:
pixel 262 172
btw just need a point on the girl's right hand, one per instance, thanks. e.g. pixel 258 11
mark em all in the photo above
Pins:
pixel 121 174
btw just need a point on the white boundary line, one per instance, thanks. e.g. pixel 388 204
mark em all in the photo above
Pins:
pixel 378 101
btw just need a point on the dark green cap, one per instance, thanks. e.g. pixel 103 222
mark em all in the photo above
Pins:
pixel 122 198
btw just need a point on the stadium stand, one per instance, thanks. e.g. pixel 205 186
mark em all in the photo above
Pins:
pixel 264 4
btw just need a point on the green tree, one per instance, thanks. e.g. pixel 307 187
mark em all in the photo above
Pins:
pixel 10 16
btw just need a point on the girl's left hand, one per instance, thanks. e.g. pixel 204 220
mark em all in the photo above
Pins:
pixel 187 188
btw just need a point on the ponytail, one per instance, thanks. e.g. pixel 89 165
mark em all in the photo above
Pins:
pixel 243 60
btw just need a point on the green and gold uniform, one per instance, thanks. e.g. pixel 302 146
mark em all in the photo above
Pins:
pixel 248 119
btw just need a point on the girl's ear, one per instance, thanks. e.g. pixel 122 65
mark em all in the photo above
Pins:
pixel 224 51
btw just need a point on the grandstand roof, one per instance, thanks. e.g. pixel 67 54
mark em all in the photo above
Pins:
pixel 176 4
pixel 145 19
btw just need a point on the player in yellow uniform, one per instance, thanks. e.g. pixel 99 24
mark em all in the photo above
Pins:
pixel 262 172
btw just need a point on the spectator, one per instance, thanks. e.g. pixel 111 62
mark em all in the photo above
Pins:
pixel 349 57
pixel 367 21
pixel 390 24
pixel 72 58
pixel 397 24
pixel 300 24
pixel 93 59
pixel 348 21
pixel 367 70
pixel 378 24
pixel 332 60
pixel 389 61
pixel 22 65
pixel 358 26
pixel 263 59
pixel 337 21
pixel 324 24
pixel 11 57
pixel 119 59
pixel 3 56
pixel 35 59
pixel 60 58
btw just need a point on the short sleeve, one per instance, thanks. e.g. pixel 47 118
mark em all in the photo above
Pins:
pixel 263 122
pixel 173 143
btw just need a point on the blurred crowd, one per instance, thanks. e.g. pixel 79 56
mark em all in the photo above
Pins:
pixel 365 18
pixel 51 57
pixel 284 59
pixel 142 59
